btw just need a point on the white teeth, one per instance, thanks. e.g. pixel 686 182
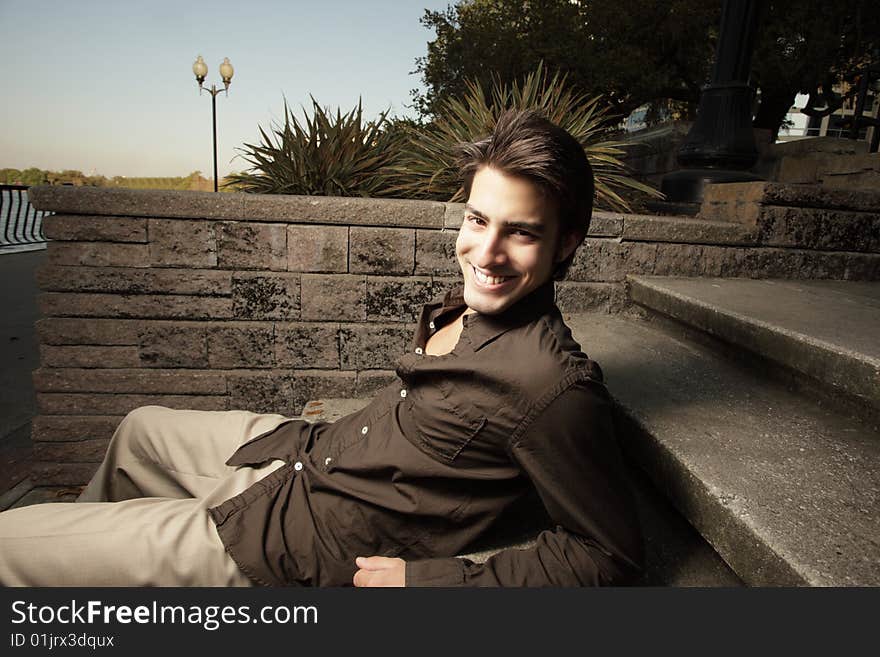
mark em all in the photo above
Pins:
pixel 488 280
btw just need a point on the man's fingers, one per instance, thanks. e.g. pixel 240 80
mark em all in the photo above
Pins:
pixel 379 571
pixel 375 563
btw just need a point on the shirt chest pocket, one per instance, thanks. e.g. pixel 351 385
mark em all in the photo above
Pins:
pixel 446 429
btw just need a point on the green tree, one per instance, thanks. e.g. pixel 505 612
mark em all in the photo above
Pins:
pixel 649 51
pixel 34 176
pixel 9 176
pixel 806 45
pixel 646 51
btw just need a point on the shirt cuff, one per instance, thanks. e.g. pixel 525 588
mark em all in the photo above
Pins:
pixel 434 572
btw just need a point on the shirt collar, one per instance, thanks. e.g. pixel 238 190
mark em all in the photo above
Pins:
pixel 481 329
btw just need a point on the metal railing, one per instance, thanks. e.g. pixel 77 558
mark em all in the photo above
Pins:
pixel 20 223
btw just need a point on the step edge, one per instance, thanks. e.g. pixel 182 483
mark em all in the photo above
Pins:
pixel 643 293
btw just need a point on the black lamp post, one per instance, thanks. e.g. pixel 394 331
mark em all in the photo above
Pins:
pixel 201 70
pixel 720 146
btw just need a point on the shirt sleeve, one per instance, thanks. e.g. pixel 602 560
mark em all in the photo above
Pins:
pixel 570 455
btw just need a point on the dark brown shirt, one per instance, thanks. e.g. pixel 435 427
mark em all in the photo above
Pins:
pixel 429 464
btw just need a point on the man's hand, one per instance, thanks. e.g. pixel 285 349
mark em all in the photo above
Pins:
pixel 380 571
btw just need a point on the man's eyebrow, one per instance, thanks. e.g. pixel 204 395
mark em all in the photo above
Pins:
pixel 534 227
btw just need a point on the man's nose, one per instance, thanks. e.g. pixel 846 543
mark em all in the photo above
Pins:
pixel 491 249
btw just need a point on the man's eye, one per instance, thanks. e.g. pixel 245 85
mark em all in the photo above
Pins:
pixel 524 234
pixel 475 220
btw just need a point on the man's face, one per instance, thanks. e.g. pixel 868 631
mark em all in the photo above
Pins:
pixel 509 241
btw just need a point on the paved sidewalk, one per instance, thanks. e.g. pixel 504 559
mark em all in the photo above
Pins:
pixel 19 356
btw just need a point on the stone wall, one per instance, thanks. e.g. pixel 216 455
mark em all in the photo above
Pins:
pixel 827 161
pixel 218 301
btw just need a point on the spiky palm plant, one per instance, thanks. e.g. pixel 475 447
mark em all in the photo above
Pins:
pixel 426 167
pixel 327 155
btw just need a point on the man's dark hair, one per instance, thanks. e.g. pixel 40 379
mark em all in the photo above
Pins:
pixel 526 144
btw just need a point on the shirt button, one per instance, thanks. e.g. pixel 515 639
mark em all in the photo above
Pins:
pixel 431 325
pixel 298 466
pixel 419 351
pixel 364 430
pixel 403 393
pixel 327 460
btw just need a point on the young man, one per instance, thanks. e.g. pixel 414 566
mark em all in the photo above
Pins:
pixel 494 399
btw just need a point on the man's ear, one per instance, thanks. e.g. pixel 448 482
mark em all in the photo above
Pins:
pixel 569 243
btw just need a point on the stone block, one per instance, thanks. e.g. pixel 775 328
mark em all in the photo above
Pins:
pixel 240 344
pixel 62 474
pixel 98 254
pixel 246 245
pixel 179 243
pixel 381 251
pixel 263 392
pixel 741 201
pixel 266 296
pixel 343 210
pixel 317 248
pixel 54 403
pixel 834 145
pixel 318 384
pixel 136 202
pixel 815 228
pixel 170 382
pixel 307 346
pixel 127 280
pixel 591 297
pixel 606 224
pixel 82 228
pixel 648 228
pixel 396 299
pixel 802 170
pixel 453 215
pixel 74 331
pixel 80 451
pixel 723 261
pixel 369 382
pixel 853 181
pixel 611 260
pixel 88 356
pixel 861 267
pixel 71 427
pixel 166 344
pixel 772 263
pixel 678 260
pixel 435 252
pixel 373 346
pixel 440 286
pixel 853 164
pixel 146 306
pixel 822 264
pixel 334 297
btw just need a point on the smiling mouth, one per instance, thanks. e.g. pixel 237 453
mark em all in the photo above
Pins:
pixel 483 279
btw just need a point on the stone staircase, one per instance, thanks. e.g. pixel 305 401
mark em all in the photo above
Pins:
pixel 752 406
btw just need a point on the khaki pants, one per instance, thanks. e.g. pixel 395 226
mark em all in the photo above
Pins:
pixel 142 520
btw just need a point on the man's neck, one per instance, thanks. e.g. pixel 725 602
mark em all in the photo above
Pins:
pixel 446 337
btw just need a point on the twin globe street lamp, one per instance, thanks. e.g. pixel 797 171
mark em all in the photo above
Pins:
pixel 201 70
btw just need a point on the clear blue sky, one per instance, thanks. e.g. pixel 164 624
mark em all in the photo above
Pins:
pixel 107 85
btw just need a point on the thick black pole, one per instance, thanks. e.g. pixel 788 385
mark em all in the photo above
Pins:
pixel 720 146
pixel 214 117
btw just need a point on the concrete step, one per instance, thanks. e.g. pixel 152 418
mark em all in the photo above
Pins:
pixel 785 489
pixel 826 330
